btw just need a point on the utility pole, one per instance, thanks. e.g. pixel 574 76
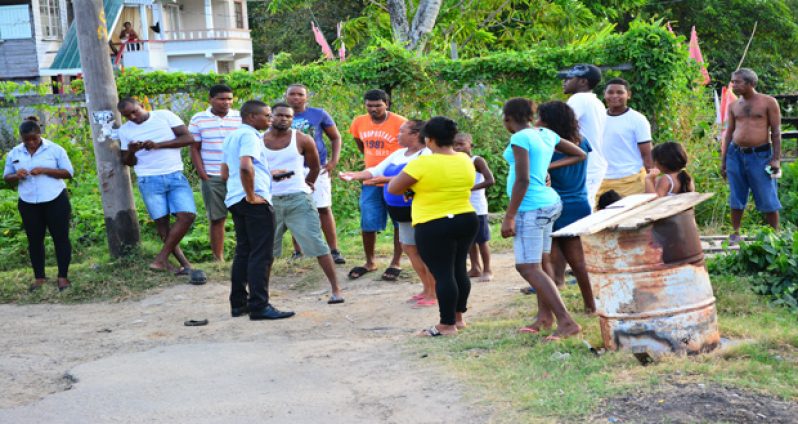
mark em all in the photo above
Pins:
pixel 121 222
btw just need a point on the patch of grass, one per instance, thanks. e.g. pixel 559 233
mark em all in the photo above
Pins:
pixel 98 278
pixel 565 382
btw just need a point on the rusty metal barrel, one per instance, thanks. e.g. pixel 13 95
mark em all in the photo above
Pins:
pixel 651 287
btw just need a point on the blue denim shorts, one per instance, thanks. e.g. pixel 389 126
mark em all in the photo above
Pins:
pixel 533 233
pixel 746 174
pixel 167 194
pixel 373 211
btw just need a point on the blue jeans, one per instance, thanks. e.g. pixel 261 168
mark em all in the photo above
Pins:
pixel 533 233
pixel 746 174
pixel 373 211
pixel 167 194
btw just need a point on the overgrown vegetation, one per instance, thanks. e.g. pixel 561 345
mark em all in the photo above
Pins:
pixel 771 258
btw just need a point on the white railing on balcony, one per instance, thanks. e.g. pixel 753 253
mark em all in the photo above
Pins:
pixel 206 34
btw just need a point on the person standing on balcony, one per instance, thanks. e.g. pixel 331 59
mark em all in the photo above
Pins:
pixel 317 123
pixel 209 129
pixel 151 143
pixel 129 36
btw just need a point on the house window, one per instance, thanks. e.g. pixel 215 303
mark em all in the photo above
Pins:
pixel 15 22
pixel 239 12
pixel 173 16
pixel 51 19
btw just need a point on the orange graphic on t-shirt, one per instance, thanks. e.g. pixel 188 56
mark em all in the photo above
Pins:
pixel 379 140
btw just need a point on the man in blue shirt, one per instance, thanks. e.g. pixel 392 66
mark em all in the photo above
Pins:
pixel 248 177
pixel 316 122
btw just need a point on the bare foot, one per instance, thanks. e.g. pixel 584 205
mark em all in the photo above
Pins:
pixel 537 326
pixel 486 276
pixel 474 273
pixel 565 330
pixel 159 266
pixel 459 321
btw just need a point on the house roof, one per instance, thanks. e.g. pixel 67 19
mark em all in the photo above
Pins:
pixel 68 57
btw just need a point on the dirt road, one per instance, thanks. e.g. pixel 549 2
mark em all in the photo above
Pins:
pixel 135 361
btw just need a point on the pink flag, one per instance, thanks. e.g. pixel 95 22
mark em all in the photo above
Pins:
pixel 321 41
pixel 342 49
pixel 727 97
pixel 695 53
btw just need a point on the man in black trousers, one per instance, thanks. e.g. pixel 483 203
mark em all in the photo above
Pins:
pixel 248 195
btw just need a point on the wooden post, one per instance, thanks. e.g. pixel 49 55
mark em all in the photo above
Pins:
pixel 121 222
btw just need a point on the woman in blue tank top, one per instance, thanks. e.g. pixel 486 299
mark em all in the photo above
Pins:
pixel 570 183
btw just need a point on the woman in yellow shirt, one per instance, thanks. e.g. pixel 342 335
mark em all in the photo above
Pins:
pixel 443 218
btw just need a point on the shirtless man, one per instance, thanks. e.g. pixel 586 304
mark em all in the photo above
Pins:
pixel 748 159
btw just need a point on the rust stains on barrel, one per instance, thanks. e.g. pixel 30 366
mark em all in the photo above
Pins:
pixel 648 275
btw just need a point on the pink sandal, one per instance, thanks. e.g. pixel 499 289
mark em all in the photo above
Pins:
pixel 426 303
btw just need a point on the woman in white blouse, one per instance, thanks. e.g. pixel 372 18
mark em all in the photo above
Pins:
pixel 39 167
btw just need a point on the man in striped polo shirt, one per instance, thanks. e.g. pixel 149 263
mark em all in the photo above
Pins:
pixel 209 128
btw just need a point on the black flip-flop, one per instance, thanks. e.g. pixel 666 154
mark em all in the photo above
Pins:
pixel 198 277
pixel 334 300
pixel 358 272
pixel 196 323
pixel 183 271
pixel 391 274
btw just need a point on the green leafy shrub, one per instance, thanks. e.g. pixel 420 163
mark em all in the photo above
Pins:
pixel 773 259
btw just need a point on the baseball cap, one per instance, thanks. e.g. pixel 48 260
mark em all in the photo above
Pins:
pixel 590 72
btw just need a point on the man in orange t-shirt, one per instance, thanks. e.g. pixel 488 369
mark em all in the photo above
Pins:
pixel 376 136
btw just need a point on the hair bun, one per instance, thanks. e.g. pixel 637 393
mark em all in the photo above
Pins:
pixel 32 118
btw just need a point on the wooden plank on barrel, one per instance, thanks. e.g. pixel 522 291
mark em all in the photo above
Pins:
pixel 662 208
pixel 606 217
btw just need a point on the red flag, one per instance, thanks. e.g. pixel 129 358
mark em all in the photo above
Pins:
pixel 695 53
pixel 321 41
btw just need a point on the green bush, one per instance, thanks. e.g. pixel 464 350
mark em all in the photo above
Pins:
pixel 772 258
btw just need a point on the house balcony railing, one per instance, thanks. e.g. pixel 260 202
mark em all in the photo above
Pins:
pixel 207 34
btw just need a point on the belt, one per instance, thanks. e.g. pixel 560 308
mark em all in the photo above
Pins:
pixel 762 148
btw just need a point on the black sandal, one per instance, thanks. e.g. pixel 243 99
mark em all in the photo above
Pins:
pixel 391 274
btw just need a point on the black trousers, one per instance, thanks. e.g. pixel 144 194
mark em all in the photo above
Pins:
pixel 443 245
pixel 52 216
pixel 252 263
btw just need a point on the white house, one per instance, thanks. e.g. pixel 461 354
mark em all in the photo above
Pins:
pixel 175 35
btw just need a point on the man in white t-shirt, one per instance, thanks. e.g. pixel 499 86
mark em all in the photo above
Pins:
pixel 626 143
pixel 579 82
pixel 151 143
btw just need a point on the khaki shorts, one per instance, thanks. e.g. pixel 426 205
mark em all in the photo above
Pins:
pixel 626 186
pixel 297 213
pixel 214 191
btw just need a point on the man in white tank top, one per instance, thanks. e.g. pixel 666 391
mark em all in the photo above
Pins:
pixel 288 151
